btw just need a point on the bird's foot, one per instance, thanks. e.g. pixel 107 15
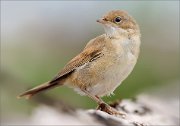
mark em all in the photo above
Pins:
pixel 108 109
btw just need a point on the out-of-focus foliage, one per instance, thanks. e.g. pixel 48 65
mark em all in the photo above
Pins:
pixel 39 37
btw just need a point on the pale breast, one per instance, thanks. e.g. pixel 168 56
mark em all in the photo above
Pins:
pixel 123 63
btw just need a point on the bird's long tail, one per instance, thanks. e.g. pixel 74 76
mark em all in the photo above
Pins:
pixel 29 93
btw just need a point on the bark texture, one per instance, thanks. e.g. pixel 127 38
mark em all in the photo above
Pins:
pixel 144 110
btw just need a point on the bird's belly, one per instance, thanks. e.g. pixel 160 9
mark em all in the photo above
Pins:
pixel 114 76
pixel 111 76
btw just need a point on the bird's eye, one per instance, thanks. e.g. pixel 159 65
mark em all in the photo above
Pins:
pixel 117 19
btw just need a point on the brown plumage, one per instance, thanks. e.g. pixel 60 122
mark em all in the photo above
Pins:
pixel 104 63
pixel 89 54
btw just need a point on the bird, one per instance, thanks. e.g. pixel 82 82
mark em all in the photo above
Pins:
pixel 104 63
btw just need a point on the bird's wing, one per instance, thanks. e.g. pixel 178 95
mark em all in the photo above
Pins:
pixel 89 54
pixel 92 51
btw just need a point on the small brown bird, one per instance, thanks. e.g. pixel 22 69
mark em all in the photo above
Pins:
pixel 103 64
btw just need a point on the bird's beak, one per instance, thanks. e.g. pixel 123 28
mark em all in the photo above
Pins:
pixel 102 21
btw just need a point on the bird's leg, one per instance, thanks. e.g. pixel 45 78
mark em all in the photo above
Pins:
pixel 102 105
pixel 108 109
pixel 96 99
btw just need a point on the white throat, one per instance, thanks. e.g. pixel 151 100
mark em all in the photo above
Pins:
pixel 113 32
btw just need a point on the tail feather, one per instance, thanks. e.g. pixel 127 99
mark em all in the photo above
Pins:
pixel 29 93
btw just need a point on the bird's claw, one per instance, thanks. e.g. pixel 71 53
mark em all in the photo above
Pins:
pixel 108 109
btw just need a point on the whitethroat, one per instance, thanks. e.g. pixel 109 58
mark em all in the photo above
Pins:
pixel 104 63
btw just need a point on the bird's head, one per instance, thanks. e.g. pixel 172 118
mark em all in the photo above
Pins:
pixel 118 22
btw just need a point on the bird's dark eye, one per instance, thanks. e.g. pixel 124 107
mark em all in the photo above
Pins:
pixel 117 19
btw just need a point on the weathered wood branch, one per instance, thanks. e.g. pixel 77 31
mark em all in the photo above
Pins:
pixel 144 110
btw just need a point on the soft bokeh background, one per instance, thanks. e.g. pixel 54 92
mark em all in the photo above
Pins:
pixel 39 37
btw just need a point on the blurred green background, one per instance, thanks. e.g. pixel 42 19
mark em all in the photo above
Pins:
pixel 38 38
